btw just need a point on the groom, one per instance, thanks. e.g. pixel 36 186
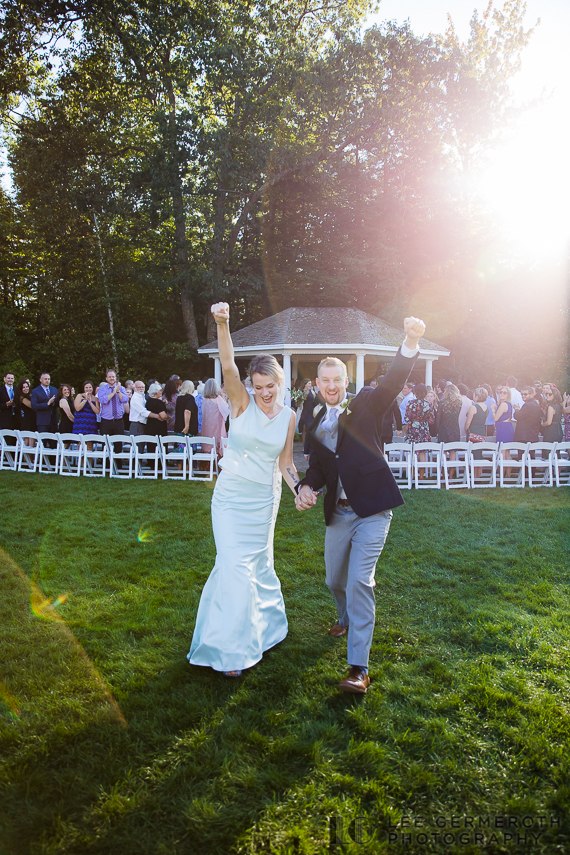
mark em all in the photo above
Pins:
pixel 345 455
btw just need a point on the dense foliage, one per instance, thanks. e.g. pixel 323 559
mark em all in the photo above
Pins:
pixel 164 154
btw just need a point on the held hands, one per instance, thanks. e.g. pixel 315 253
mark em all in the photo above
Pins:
pixel 414 329
pixel 305 498
pixel 221 313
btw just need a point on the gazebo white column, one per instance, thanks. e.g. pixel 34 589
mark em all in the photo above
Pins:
pixel 429 375
pixel 217 370
pixel 359 371
pixel 287 370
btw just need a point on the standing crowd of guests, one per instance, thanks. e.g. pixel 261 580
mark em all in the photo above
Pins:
pixel 448 412
pixel 177 407
pixel 455 413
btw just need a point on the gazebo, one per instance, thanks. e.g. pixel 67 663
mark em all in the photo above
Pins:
pixel 307 335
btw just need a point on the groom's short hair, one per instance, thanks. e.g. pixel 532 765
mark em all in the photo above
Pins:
pixel 331 361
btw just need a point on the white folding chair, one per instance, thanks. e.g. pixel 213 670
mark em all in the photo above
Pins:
pixel 95 457
pixel 147 456
pixel 516 465
pixel 70 457
pixel 175 460
pixel 121 456
pixel 486 464
pixel 399 458
pixel 561 463
pixel 9 448
pixel 27 454
pixel 48 453
pixel 455 457
pixel 200 457
pixel 427 472
pixel 540 466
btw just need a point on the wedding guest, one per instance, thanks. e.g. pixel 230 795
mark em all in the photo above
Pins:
pixel 504 417
pixel 7 402
pixel 87 408
pixel 156 406
pixel 169 397
pixel 448 415
pixel 529 417
pixel 552 424
pixel 44 402
pixel 24 416
pixel 475 430
pixel 431 398
pixel 186 417
pixel 465 407
pixel 114 400
pixel 66 408
pixel 215 410
pixel 419 416
pixel 310 399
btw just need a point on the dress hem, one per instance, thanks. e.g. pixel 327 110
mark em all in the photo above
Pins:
pixel 241 667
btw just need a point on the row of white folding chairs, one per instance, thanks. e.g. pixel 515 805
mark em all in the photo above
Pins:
pixel 93 455
pixel 429 465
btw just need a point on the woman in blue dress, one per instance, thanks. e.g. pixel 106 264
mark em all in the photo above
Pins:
pixel 87 409
pixel 241 612
pixel 503 417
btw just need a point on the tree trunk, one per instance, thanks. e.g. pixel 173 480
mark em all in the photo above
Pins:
pixel 184 274
pixel 188 317
pixel 107 295
pixel 217 257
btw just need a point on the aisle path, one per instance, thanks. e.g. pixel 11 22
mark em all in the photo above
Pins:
pixel 298 458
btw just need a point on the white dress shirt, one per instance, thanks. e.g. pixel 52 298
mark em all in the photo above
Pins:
pixel 138 411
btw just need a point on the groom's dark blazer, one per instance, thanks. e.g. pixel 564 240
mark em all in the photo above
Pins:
pixel 358 460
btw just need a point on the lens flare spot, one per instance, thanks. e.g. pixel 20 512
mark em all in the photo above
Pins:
pixel 8 701
pixel 146 535
pixel 43 607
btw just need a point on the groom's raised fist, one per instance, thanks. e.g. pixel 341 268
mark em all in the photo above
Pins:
pixel 414 328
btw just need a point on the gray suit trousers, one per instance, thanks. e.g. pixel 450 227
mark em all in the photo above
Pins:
pixel 352 547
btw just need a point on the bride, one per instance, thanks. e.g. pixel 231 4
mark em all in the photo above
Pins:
pixel 241 612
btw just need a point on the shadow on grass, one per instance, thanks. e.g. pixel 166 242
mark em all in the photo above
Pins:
pixel 102 777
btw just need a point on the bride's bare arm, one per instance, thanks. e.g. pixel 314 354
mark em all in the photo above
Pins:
pixel 236 391
pixel 286 465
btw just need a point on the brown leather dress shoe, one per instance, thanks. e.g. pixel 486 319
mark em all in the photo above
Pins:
pixel 337 631
pixel 356 681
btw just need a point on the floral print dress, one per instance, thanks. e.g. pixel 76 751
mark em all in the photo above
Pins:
pixel 419 415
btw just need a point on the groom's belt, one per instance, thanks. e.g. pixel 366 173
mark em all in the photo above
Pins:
pixel 344 503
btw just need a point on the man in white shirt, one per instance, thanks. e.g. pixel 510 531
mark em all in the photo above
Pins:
pixel 139 413
pixel 516 397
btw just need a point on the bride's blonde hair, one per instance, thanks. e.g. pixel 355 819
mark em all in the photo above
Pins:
pixel 267 365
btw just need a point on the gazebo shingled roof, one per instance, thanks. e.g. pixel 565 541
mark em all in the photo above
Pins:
pixel 317 332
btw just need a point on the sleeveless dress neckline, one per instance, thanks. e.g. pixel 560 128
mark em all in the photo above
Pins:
pixel 252 401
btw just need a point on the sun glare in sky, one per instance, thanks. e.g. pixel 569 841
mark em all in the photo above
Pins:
pixel 526 184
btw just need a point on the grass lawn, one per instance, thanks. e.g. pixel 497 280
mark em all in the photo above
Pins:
pixel 111 743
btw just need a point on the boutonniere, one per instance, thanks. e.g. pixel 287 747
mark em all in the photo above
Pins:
pixel 344 407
